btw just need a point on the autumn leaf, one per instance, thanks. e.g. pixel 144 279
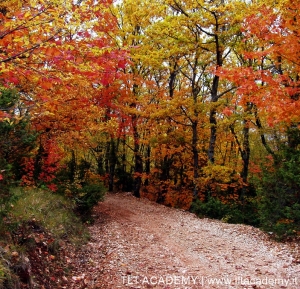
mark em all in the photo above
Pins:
pixel 227 111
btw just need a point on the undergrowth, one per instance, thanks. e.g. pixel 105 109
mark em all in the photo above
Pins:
pixel 243 213
pixel 52 212
pixel 35 227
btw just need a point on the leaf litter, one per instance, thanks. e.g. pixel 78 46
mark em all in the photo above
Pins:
pixel 136 243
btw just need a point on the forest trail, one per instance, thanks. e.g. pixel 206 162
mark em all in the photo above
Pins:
pixel 136 243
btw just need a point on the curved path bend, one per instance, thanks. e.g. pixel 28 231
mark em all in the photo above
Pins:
pixel 136 243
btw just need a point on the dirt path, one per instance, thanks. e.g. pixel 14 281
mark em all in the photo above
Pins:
pixel 139 244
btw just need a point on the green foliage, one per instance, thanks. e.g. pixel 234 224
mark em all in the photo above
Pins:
pixel 16 142
pixel 213 208
pixel 83 167
pixel 17 138
pixel 249 211
pixel 279 193
pixel 8 98
pixel 228 212
pixel 85 189
pixel 81 185
pixel 88 196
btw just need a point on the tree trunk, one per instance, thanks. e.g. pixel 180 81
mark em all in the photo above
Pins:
pixel 112 164
pixel 165 175
pixel 147 163
pixel 138 161
pixel 246 151
pixel 195 158
pixel 213 135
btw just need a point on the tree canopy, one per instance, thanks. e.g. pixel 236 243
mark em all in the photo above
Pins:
pixel 193 104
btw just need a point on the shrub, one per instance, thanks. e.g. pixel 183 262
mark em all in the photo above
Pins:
pixel 279 207
pixel 213 208
pixel 18 139
pixel 88 196
pixel 84 191
pixel 234 212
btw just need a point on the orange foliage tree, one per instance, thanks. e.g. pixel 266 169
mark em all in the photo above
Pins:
pixel 58 55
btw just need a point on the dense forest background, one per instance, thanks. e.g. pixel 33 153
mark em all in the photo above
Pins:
pixel 193 104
